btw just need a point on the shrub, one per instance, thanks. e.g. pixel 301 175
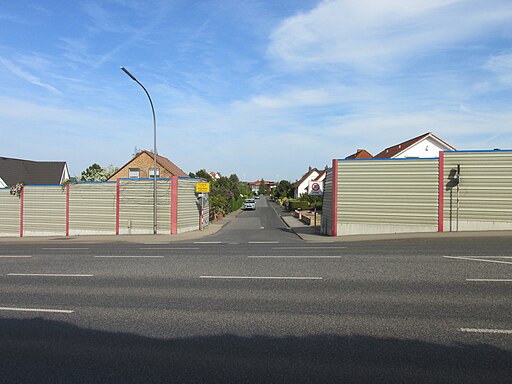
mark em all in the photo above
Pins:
pixel 297 204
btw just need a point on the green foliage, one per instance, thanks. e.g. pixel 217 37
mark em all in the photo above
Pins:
pixel 294 204
pixel 262 190
pixel 284 189
pixel 96 173
pixel 226 193
pixel 201 174
pixel 312 200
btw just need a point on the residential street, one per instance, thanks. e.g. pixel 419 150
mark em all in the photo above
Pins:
pixel 255 303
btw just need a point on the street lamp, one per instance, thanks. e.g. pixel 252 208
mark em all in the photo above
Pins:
pixel 154 147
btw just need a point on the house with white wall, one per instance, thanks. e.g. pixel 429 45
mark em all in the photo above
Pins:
pixel 301 185
pixel 427 145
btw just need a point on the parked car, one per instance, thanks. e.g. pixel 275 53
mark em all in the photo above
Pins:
pixel 249 204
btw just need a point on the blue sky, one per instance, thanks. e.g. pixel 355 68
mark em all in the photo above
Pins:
pixel 254 87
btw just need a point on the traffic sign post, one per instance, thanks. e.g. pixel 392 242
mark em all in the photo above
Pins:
pixel 315 189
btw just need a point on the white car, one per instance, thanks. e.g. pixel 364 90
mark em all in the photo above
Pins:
pixel 249 204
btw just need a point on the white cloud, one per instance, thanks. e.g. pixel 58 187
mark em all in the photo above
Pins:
pixel 501 65
pixel 369 33
pixel 22 74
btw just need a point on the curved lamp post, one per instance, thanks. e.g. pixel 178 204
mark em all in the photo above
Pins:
pixel 154 147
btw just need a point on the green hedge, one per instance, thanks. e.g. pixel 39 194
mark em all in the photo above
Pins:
pixel 297 204
pixel 236 204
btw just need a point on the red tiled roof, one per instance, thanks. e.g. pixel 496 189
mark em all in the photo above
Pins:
pixel 399 148
pixel 301 180
pixel 360 154
pixel 168 165
pixel 322 173
pixel 162 161
pixel 259 182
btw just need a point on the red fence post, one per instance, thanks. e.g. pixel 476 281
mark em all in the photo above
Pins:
pixel 440 204
pixel 67 209
pixel 334 229
pixel 118 190
pixel 174 205
pixel 22 194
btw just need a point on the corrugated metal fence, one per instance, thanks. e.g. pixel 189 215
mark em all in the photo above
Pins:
pixel 122 207
pixel 419 195
pixel 484 192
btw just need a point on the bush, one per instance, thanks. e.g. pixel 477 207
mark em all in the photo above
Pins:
pixel 236 203
pixel 297 204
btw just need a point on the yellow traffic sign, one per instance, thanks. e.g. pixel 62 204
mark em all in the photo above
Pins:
pixel 202 187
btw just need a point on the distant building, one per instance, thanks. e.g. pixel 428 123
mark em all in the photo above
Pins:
pixel 141 166
pixel 255 185
pixel 215 175
pixel 13 171
pixel 426 145
pixel 360 154
pixel 302 185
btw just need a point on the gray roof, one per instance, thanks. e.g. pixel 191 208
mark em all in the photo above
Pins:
pixel 14 171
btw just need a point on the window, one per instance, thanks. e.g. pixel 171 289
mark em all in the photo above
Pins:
pixel 134 173
pixel 152 173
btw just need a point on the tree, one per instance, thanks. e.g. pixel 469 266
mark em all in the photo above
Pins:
pixel 262 190
pixel 225 192
pixel 96 173
pixel 283 189
pixel 202 174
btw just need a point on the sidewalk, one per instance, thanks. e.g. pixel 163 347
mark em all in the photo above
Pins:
pixel 212 228
pixel 308 233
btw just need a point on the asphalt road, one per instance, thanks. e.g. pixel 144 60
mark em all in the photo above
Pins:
pixel 254 303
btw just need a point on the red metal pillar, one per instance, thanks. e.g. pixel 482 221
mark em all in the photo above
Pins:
pixel 118 190
pixel 174 205
pixel 22 198
pixel 67 209
pixel 334 229
pixel 440 204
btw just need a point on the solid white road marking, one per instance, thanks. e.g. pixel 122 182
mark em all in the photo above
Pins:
pixel 62 249
pixel 207 242
pixel 263 242
pixel 477 259
pixel 129 257
pixel 48 274
pixel 290 248
pixel 491 280
pixel 483 330
pixel 36 310
pixel 294 257
pixel 14 256
pixel 170 248
pixel 263 277
pixel 493 257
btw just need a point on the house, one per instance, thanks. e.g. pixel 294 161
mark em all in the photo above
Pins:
pixel 360 154
pixel 301 186
pixel 215 175
pixel 141 166
pixel 13 171
pixel 427 145
pixel 255 185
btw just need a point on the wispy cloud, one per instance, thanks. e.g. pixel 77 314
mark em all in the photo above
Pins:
pixel 501 65
pixel 367 33
pixel 22 74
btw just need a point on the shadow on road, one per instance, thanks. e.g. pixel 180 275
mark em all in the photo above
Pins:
pixel 44 351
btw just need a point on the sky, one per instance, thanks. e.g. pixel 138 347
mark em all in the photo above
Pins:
pixel 259 88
